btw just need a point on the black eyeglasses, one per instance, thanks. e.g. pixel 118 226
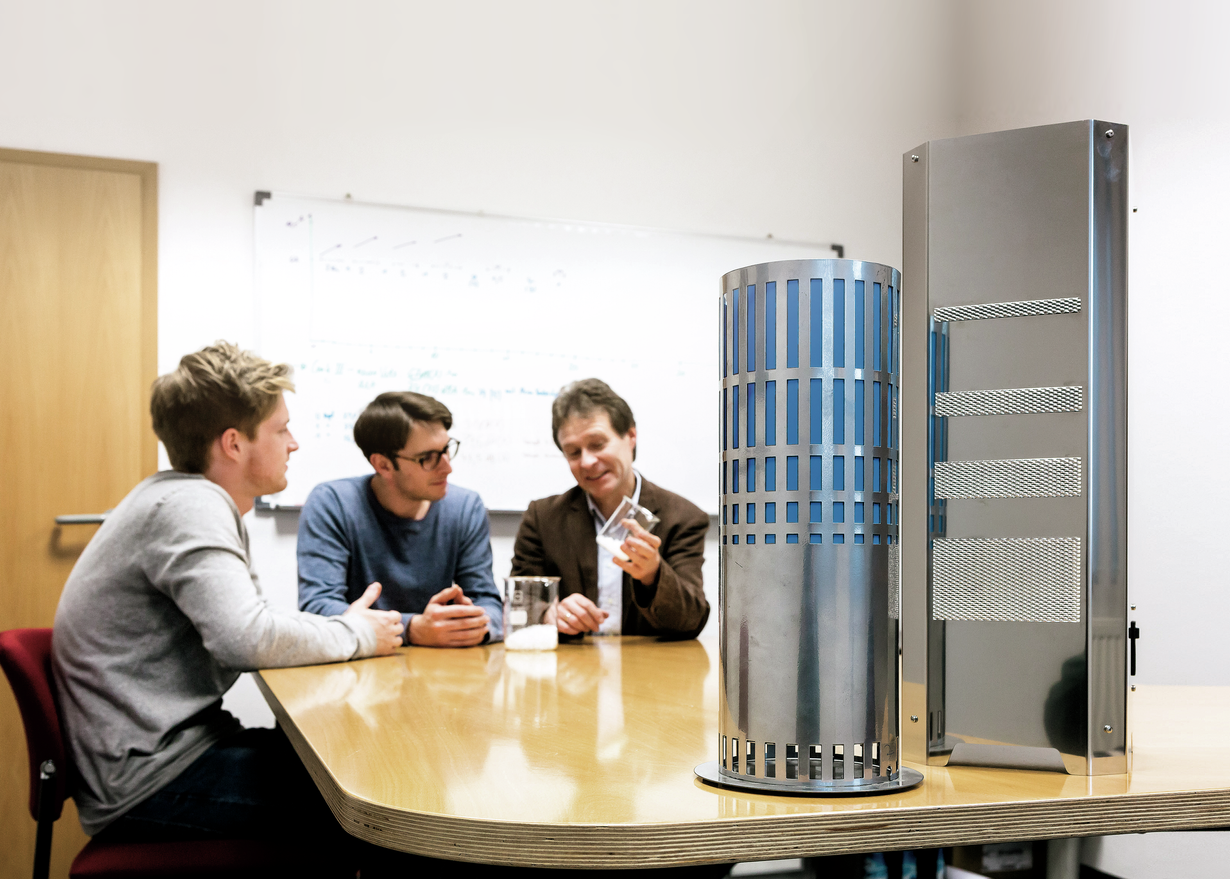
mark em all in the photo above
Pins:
pixel 431 460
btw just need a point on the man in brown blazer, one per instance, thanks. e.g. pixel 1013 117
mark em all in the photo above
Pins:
pixel 658 590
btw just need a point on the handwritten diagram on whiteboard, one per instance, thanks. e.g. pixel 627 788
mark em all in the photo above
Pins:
pixel 492 316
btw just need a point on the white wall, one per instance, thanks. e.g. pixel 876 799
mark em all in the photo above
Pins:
pixel 1159 69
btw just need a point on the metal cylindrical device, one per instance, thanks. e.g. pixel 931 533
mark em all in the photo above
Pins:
pixel 809 560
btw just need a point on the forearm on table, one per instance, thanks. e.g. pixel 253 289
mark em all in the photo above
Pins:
pixel 322 599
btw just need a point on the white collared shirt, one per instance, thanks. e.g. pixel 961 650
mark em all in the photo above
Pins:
pixel 610 575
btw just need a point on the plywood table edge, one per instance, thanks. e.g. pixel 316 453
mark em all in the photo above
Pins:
pixel 751 838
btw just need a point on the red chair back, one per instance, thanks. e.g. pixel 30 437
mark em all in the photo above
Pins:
pixel 25 656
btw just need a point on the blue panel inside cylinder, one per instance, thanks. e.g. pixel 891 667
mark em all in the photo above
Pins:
pixel 858 512
pixel 858 538
pixel 875 514
pixel 724 418
pixel 878 429
pixel 839 410
pixel 770 413
pixel 858 473
pixel 891 312
pixel 889 421
pixel 792 538
pixel 750 479
pixel 734 334
pixel 770 513
pixel 839 473
pixel 817 412
pixel 770 325
pixel 839 511
pixel 751 414
pixel 792 512
pixel 751 514
pixel 751 538
pixel 859 412
pixel 751 327
pixel 815 308
pixel 792 473
pixel 792 324
pixel 815 538
pixel 770 474
pixel 877 344
pixel 892 407
pixel 734 417
pixel 734 538
pixel 816 512
pixel 792 412
pixel 723 477
pixel 815 480
pixel 770 538
pixel 734 477
pixel 860 325
pixel 875 475
pixel 839 538
pixel 734 514
pixel 839 322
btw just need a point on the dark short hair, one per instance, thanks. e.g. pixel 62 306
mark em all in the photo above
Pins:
pixel 585 397
pixel 385 424
pixel 211 391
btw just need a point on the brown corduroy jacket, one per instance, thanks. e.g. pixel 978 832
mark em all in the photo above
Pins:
pixel 556 539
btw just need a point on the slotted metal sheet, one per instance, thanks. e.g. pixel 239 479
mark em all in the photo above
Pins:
pixel 1010 401
pixel 1009 477
pixel 1008 579
pixel 1024 308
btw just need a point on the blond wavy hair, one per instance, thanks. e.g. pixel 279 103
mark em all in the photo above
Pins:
pixel 213 390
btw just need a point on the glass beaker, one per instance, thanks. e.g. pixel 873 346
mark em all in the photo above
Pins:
pixel 613 533
pixel 530 605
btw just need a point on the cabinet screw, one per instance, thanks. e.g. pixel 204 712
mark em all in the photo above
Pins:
pixel 1107 728
pixel 914 718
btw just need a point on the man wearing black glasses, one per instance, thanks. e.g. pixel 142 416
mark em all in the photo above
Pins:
pixel 426 543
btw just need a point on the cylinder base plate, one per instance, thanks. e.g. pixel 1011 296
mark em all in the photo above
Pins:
pixel 710 773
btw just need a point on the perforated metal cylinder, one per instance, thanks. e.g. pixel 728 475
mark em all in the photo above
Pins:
pixel 808 562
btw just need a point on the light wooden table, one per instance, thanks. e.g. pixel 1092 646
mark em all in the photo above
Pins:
pixel 584 757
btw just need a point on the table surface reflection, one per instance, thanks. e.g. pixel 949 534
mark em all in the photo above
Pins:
pixel 583 757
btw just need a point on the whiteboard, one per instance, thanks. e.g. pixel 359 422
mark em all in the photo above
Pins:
pixel 492 316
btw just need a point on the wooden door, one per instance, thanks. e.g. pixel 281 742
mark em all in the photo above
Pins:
pixel 78 340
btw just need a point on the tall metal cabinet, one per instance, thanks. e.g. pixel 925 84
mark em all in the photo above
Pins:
pixel 1014 454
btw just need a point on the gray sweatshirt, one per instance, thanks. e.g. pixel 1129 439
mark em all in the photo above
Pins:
pixel 159 617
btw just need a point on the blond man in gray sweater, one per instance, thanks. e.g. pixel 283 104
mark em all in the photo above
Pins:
pixel 163 612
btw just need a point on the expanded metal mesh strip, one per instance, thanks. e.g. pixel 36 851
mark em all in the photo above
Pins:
pixel 1010 477
pixel 1007 579
pixel 894 582
pixel 1010 401
pixel 1024 308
